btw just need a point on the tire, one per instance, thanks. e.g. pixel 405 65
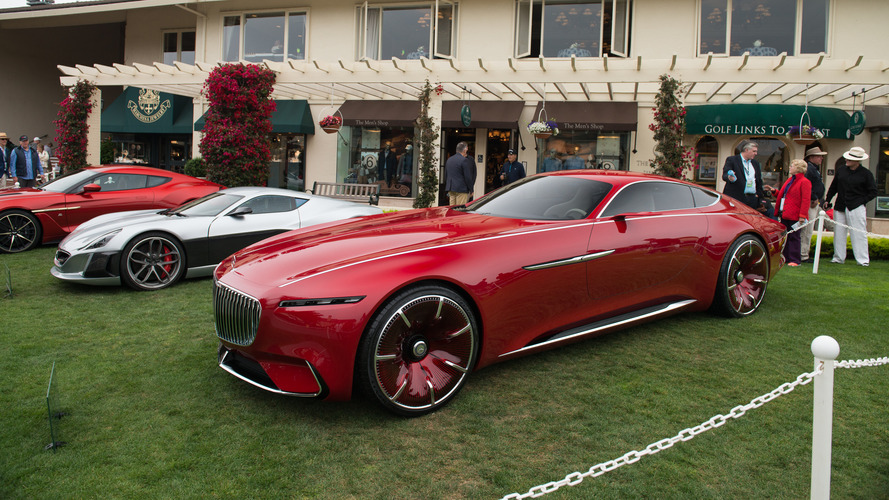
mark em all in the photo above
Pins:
pixel 19 231
pixel 419 350
pixel 743 278
pixel 152 261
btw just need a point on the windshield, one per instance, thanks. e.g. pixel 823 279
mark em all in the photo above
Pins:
pixel 66 183
pixel 208 206
pixel 544 198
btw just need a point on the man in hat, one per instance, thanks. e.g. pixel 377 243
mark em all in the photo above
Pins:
pixel 512 170
pixel 5 149
pixel 814 158
pixel 24 164
pixel 854 186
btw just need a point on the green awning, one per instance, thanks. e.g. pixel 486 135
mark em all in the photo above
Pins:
pixel 762 119
pixel 289 117
pixel 144 111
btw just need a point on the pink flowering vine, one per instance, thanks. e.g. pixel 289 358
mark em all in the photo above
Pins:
pixel 235 145
pixel 672 159
pixel 72 128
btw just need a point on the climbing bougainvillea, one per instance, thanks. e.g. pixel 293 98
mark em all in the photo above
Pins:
pixel 72 128
pixel 672 159
pixel 235 145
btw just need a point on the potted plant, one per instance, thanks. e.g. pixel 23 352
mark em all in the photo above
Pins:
pixel 543 128
pixel 331 123
pixel 804 134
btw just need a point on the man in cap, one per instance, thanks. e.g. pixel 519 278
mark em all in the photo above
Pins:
pixel 854 186
pixel 814 158
pixel 5 149
pixel 512 170
pixel 24 164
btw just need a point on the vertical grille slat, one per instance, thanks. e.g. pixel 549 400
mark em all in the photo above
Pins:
pixel 236 315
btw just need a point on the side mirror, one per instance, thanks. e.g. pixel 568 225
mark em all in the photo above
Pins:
pixel 92 188
pixel 240 211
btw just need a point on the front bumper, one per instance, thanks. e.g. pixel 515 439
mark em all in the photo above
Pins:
pixel 95 268
pixel 294 378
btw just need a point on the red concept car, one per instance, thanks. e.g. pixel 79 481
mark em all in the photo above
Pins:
pixel 46 214
pixel 404 306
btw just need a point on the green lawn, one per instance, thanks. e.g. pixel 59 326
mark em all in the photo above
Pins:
pixel 152 416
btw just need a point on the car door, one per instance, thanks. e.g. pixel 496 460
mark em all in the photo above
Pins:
pixel 250 221
pixel 646 237
pixel 118 193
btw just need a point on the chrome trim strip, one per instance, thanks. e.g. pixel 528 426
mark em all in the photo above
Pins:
pixel 569 261
pixel 54 210
pixel 231 371
pixel 662 309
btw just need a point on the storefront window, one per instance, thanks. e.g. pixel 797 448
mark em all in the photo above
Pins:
pixel 763 27
pixel 706 161
pixel 408 32
pixel 773 156
pixel 288 163
pixel 579 149
pixel 378 155
pixel 268 35
pixel 882 176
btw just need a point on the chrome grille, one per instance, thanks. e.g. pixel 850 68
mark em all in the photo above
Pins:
pixel 236 315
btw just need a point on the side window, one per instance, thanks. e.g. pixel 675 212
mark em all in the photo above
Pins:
pixel 270 204
pixel 120 182
pixel 704 198
pixel 156 180
pixel 650 197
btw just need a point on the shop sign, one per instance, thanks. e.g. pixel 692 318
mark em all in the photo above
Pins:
pixel 581 126
pixel 752 129
pixel 149 109
pixel 372 123
pixel 856 123
pixel 466 115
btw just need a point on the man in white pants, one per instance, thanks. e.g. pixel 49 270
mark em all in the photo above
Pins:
pixel 854 186
pixel 814 158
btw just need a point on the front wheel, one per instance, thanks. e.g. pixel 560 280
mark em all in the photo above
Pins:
pixel 19 231
pixel 152 261
pixel 743 278
pixel 419 350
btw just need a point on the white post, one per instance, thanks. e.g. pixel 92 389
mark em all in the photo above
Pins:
pixel 821 215
pixel 825 349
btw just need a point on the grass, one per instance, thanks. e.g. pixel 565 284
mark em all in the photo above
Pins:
pixel 152 416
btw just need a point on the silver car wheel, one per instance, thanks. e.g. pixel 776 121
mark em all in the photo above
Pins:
pixel 152 262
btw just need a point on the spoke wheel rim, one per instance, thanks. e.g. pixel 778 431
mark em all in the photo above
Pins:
pixel 424 352
pixel 154 263
pixel 747 277
pixel 17 233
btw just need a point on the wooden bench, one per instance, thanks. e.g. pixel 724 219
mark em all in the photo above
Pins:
pixel 364 193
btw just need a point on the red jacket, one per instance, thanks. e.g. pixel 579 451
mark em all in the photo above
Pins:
pixel 796 199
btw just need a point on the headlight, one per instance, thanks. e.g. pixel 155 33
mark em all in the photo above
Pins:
pixel 101 241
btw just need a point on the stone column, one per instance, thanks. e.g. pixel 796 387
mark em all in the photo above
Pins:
pixel 94 134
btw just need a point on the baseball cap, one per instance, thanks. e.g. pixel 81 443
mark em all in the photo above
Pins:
pixel 23 138
pixel 511 152
pixel 36 139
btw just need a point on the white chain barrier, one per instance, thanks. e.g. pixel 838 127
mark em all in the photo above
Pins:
pixel 597 470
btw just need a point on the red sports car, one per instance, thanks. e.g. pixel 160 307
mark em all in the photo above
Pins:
pixel 404 306
pixel 46 214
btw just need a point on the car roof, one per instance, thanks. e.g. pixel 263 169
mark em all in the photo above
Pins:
pixel 617 178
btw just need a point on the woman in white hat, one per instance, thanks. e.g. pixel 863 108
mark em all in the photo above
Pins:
pixel 854 186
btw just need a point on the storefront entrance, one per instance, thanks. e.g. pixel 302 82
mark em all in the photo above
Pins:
pixel 450 137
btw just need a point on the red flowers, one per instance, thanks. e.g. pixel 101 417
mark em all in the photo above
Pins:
pixel 672 159
pixel 236 136
pixel 72 127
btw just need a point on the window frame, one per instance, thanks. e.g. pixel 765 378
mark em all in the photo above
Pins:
pixel 797 26
pixel 434 7
pixel 524 35
pixel 242 19
pixel 178 33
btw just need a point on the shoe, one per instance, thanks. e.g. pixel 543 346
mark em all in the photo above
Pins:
pixel 863 265
pixel 835 262
pixel 793 264
pixel 806 261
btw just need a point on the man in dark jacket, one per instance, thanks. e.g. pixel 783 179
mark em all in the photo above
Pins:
pixel 814 158
pixel 460 176
pixel 743 177
pixel 387 164
pixel 24 164
pixel 4 159
pixel 854 186
pixel 512 170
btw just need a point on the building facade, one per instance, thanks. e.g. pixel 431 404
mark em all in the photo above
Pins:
pixel 751 69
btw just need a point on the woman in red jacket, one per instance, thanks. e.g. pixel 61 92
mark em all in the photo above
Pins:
pixel 792 203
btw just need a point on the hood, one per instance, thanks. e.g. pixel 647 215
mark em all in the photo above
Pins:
pixel 103 224
pixel 317 249
pixel 11 192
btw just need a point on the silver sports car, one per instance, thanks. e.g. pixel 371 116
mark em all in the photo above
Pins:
pixel 151 249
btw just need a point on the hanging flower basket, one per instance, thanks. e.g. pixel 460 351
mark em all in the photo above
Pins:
pixel 805 134
pixel 543 129
pixel 331 123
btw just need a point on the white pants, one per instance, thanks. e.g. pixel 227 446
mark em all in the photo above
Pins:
pixel 856 219
pixel 806 232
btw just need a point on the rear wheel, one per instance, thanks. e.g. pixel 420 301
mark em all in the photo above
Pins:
pixel 743 278
pixel 152 261
pixel 19 231
pixel 419 350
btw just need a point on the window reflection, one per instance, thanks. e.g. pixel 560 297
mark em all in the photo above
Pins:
pixel 763 27
pixel 270 36
pixel 407 32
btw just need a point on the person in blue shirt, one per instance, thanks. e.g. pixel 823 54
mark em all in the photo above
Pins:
pixel 551 163
pixel 24 164
pixel 512 170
